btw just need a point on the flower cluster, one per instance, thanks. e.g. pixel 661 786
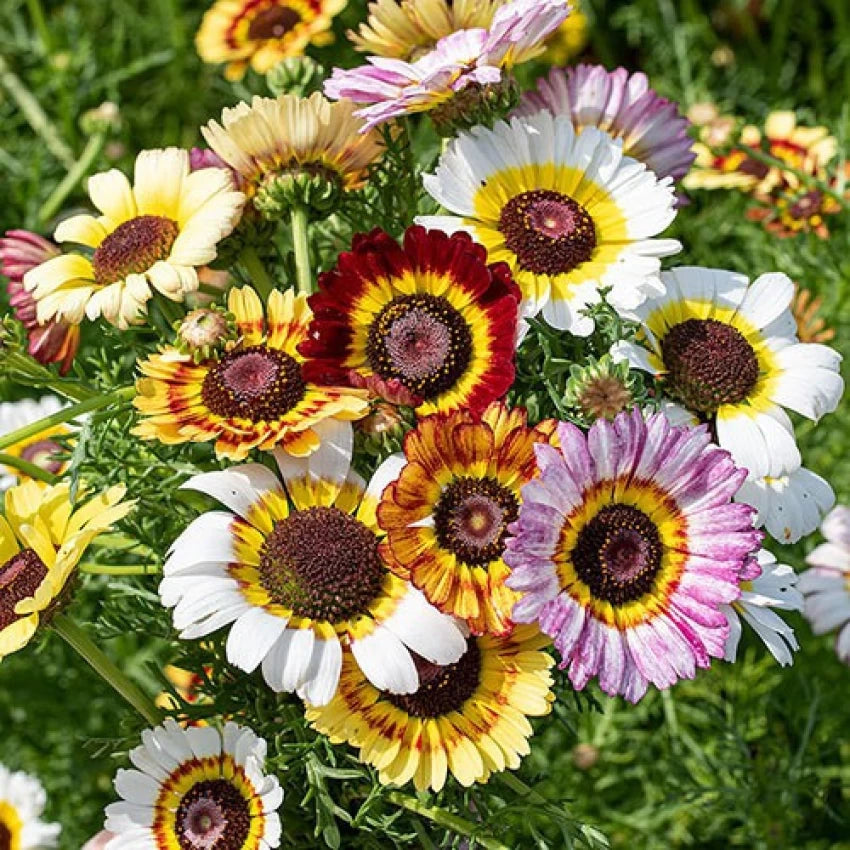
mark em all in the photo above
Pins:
pixel 786 168
pixel 398 468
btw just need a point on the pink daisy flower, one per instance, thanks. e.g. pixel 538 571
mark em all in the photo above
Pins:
pixel 390 88
pixel 622 105
pixel 627 548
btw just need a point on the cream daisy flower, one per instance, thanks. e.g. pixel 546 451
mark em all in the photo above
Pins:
pixel 408 29
pixel 766 587
pixel 22 801
pixel 277 140
pixel 726 349
pixel 568 212
pixel 196 789
pixel 297 574
pixel 149 237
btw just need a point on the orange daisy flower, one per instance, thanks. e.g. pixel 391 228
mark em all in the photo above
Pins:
pixel 447 514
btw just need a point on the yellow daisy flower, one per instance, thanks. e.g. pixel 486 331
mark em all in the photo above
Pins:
pixel 408 29
pixel 150 237
pixel 254 396
pixel 469 718
pixel 261 33
pixel 42 539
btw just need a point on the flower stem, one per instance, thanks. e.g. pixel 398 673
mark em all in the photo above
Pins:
pixel 75 637
pixel 298 217
pixel 31 469
pixel 519 787
pixel 35 115
pixel 24 370
pixel 260 278
pixel 458 825
pixel 110 570
pixel 76 172
pixel 66 415
pixel 40 24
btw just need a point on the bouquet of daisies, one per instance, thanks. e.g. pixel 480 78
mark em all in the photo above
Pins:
pixel 384 404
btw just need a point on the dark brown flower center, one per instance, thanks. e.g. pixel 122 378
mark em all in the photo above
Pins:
pixel 422 341
pixel 618 554
pixel 133 247
pixel 43 454
pixel 322 564
pixel 5 837
pixel 274 22
pixel 471 519
pixel 258 383
pixel 550 233
pixel 213 815
pixel 708 363
pixel 442 689
pixel 20 577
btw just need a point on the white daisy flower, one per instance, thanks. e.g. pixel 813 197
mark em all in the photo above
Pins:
pixel 773 587
pixel 568 212
pixel 727 350
pixel 196 789
pixel 22 801
pixel 826 586
pixel 789 506
pixel 298 571
pixel 38 449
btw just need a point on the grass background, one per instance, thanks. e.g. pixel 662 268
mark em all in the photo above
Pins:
pixel 749 755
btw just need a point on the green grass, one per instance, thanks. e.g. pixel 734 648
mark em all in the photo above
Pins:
pixel 748 756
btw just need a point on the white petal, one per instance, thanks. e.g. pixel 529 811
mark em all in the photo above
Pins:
pixel 386 662
pixel 239 487
pixel 251 637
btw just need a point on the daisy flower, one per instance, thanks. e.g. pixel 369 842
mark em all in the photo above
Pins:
pixel 804 148
pixel 196 789
pixel 255 395
pixel 826 587
pixel 275 141
pixel 150 237
pixel 411 28
pixel 22 801
pixel 623 106
pixel 626 548
pixel 297 571
pixel 446 515
pixel 567 211
pixel 726 349
pixel 765 586
pixel 469 718
pixel 48 342
pixel 260 33
pixel 789 506
pixel 431 313
pixel 42 539
pixel 40 449
pixel 469 58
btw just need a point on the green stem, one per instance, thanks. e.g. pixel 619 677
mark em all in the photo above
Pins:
pixel 35 115
pixel 519 787
pixel 301 245
pixel 75 637
pixel 69 182
pixel 40 23
pixel 122 542
pixel 458 825
pixel 28 468
pixel 260 278
pixel 66 415
pixel 23 369
pixel 807 179
pixel 129 570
